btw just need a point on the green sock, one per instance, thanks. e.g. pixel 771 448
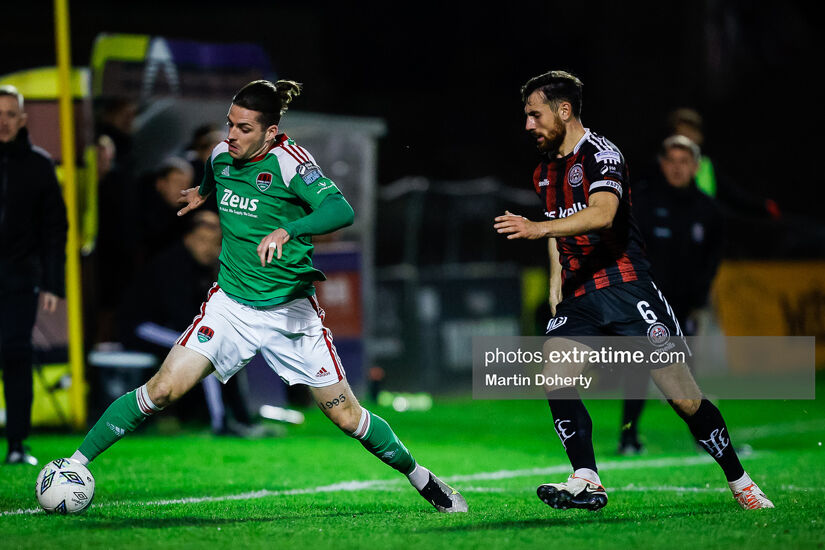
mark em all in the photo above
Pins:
pixel 124 415
pixel 378 438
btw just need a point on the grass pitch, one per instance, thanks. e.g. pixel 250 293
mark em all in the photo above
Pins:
pixel 319 488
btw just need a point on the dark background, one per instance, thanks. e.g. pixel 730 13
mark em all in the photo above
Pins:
pixel 446 78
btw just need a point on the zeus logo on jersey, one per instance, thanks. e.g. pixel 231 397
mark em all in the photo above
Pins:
pixel 236 201
pixel 564 212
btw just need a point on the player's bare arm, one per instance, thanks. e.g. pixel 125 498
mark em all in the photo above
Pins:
pixel 271 245
pixel 192 198
pixel 599 214
pixel 555 275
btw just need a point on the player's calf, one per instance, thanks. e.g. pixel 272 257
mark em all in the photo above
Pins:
pixel 339 405
pixel 685 407
pixel 124 415
pixel 181 370
pixel 373 432
pixel 711 433
pixel 378 438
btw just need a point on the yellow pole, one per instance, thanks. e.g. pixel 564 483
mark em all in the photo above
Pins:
pixel 77 397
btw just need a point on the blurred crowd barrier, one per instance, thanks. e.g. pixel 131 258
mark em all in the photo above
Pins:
pixel 757 298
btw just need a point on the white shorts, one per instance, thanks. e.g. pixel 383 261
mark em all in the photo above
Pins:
pixel 291 337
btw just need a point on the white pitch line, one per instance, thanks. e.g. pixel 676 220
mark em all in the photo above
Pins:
pixel 380 484
pixel 783 428
pixel 675 489
pixel 611 465
pixel 641 489
pixel 668 489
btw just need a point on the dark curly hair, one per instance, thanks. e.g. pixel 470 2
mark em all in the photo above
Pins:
pixel 556 86
pixel 268 98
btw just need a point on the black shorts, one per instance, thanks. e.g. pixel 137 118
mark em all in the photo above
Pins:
pixel 635 308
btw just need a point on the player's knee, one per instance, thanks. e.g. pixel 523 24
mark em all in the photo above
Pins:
pixel 161 391
pixel 347 419
pixel 686 407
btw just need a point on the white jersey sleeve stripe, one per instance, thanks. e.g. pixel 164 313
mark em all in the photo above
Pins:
pixel 289 157
pixel 222 147
pixel 291 154
pixel 299 152
pixel 601 184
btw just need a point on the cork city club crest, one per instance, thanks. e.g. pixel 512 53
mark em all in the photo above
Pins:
pixel 205 334
pixel 263 181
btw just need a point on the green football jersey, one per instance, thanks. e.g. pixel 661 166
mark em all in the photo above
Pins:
pixel 255 197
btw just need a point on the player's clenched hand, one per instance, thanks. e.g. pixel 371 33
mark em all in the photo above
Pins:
pixel 272 244
pixel 192 199
pixel 517 227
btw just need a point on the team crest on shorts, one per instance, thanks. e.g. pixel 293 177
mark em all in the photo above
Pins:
pixel 263 181
pixel 575 175
pixel 205 334
pixel 658 334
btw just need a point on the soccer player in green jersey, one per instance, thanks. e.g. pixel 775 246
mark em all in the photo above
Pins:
pixel 272 197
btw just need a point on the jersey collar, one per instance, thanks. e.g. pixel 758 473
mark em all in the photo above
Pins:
pixel 552 157
pixel 582 140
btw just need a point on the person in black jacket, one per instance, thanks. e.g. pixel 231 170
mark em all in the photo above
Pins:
pixel 682 229
pixel 32 261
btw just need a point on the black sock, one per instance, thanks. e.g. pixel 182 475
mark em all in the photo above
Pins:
pixel 635 384
pixel 573 426
pixel 709 430
pixel 631 411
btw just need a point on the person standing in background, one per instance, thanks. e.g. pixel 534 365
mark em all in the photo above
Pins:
pixel 33 230
pixel 682 228
pixel 690 124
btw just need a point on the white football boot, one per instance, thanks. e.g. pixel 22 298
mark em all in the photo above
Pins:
pixel 443 497
pixel 752 498
pixel 576 492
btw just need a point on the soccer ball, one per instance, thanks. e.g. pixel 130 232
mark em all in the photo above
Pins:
pixel 64 486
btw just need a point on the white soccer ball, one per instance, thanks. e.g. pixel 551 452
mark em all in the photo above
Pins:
pixel 64 486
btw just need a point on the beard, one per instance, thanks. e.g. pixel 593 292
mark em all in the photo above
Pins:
pixel 554 139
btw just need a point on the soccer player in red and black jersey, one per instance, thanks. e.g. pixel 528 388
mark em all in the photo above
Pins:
pixel 600 284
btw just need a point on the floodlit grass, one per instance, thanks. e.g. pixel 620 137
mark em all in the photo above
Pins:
pixel 318 488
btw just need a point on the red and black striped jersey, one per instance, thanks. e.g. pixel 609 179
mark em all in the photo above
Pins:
pixel 599 259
